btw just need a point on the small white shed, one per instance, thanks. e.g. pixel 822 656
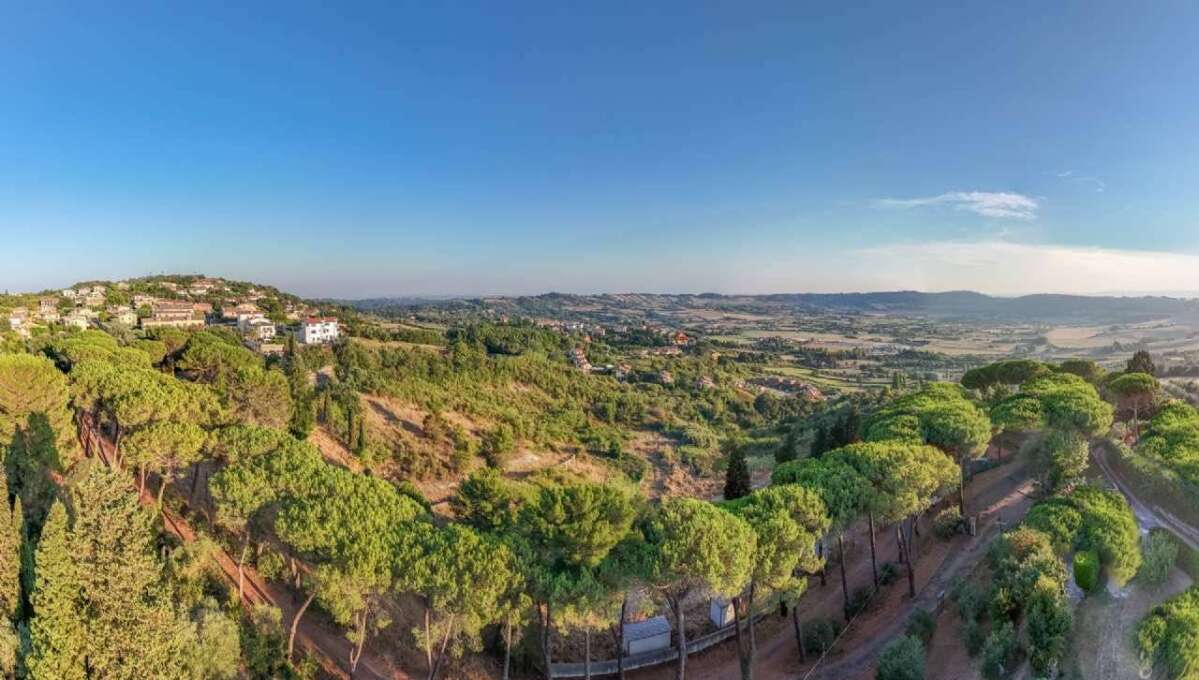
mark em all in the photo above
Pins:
pixel 721 612
pixel 646 636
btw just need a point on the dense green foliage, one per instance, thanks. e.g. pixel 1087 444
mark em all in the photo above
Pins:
pixel 1169 635
pixel 901 659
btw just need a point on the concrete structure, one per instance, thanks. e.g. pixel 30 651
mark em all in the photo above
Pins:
pixel 721 612
pixel 319 330
pixel 646 636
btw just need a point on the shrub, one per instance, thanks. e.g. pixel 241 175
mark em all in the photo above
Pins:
pixel 1160 554
pixel 271 565
pixel 1086 570
pixel 970 601
pixel 902 659
pixel 818 635
pixel 1000 651
pixel 888 573
pixel 973 637
pixel 948 523
pixel 498 445
pixel 859 600
pixel 922 624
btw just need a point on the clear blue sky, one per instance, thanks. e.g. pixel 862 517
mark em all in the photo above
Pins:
pixel 523 147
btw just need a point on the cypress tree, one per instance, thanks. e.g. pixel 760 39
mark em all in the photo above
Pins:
pixel 852 426
pixel 57 630
pixel 820 442
pixel 788 450
pixel 130 622
pixel 10 553
pixel 737 481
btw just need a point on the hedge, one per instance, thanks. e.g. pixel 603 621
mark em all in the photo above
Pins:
pixel 1086 570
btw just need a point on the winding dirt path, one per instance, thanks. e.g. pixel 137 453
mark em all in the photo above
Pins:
pixel 327 645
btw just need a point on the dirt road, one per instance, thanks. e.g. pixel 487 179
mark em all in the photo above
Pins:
pixel 327 645
pixel 1000 493
pixel 1148 515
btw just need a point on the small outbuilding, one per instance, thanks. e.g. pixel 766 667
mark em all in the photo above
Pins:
pixel 646 636
pixel 721 612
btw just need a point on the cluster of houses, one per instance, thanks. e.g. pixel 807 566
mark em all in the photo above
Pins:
pixel 84 306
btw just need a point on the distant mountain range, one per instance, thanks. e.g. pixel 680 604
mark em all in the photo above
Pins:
pixel 963 305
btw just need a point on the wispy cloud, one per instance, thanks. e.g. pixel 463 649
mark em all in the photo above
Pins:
pixel 1098 184
pixel 986 203
pixel 1006 268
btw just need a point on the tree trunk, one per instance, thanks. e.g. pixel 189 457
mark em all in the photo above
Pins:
pixel 753 641
pixel 445 641
pixel 507 646
pixel 195 482
pixel 844 578
pixel 803 653
pixel 587 653
pixel 873 554
pixel 295 623
pixel 908 555
pixel 141 480
pixel 241 572
pixel 624 606
pixel 680 671
pixel 962 487
pixel 546 628
pixel 742 654
pixel 162 487
pixel 823 563
pixel 356 650
pixel 428 638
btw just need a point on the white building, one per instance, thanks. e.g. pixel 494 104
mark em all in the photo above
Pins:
pixel 318 330
pixel 256 327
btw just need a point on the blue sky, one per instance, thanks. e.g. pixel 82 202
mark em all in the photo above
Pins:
pixel 426 148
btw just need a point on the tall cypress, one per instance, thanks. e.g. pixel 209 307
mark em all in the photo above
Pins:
pixel 57 630
pixel 10 553
pixel 737 481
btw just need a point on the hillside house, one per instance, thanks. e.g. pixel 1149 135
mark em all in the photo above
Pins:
pixel 237 311
pixel 318 330
pixel 79 318
pixel 94 300
pixel 256 327
pixel 18 320
pixel 141 300
pixel 179 314
pixel 68 293
pixel 646 636
pixel 46 306
pixel 122 314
